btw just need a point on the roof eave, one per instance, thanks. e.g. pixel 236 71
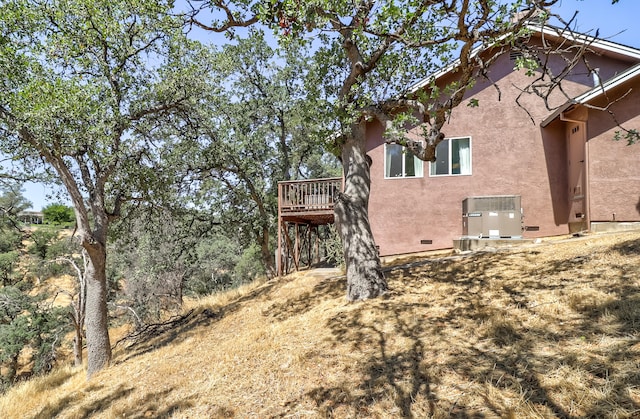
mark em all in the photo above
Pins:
pixel 594 93
pixel 594 42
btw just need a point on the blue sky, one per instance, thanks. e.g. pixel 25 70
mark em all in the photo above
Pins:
pixel 616 23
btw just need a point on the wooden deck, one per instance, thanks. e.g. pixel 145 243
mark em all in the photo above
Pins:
pixel 308 201
pixel 303 206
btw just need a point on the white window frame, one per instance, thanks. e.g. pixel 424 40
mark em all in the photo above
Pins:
pixel 404 150
pixel 449 142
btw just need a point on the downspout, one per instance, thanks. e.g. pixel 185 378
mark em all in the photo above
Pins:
pixel 587 196
pixel 587 184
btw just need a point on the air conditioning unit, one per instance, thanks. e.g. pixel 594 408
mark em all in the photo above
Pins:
pixel 492 216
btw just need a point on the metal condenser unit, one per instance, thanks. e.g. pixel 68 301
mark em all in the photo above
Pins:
pixel 497 216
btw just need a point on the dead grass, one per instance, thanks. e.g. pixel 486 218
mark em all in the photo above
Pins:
pixel 542 331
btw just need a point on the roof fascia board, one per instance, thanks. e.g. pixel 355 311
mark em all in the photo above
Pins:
pixel 448 68
pixel 598 43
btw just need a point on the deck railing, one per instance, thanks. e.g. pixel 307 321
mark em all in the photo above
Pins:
pixel 308 195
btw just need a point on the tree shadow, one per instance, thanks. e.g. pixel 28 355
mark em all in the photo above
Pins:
pixel 628 248
pixel 96 406
pixel 483 334
pixel 401 374
pixel 57 379
pixel 150 406
pixel 190 322
pixel 328 288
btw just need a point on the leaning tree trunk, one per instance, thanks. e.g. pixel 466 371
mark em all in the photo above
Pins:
pixel 96 321
pixel 364 273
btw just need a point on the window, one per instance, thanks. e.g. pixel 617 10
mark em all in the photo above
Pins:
pixel 453 157
pixel 399 162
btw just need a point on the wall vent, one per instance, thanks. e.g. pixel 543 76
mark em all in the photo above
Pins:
pixel 491 203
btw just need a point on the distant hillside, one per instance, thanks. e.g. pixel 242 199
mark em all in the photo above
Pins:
pixel 547 330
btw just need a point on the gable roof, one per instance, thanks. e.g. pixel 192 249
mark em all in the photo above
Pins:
pixel 596 44
pixel 596 92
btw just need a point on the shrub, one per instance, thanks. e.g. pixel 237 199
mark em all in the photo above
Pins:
pixel 58 214
pixel 8 261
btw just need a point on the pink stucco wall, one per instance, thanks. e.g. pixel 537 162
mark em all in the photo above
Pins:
pixel 614 167
pixel 511 155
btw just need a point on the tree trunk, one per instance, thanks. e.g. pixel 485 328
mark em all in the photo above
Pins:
pixel 364 273
pixel 98 344
pixel 77 343
pixel 267 254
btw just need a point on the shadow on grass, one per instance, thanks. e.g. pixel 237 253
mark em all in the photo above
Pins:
pixel 628 248
pixel 328 288
pixel 163 336
pixel 510 330
pixel 93 407
pixel 511 335
pixel 150 406
pixel 388 373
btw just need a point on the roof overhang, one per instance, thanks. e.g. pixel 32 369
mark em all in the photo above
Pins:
pixel 595 44
pixel 627 75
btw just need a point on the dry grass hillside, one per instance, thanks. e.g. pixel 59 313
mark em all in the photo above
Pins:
pixel 543 331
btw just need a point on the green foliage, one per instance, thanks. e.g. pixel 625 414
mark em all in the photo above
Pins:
pixel 12 202
pixel 162 255
pixel 58 214
pixel 42 240
pixel 248 266
pixel 631 136
pixel 8 263
pixel 53 247
pixel 333 247
pixel 216 258
pixel 10 240
pixel 223 264
pixel 95 91
pixel 88 86
pixel 149 263
pixel 27 322
pixel 530 65
pixel 263 125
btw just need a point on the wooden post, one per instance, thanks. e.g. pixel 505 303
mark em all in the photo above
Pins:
pixel 279 258
pixel 317 244
pixel 296 247
pixel 309 245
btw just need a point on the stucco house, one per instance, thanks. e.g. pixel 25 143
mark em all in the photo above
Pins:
pixel 504 171
pixel 510 171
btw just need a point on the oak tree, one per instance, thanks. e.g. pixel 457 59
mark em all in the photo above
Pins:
pixel 84 86
pixel 371 53
pixel 259 128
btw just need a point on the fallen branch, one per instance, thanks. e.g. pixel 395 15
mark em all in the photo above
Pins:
pixel 152 330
